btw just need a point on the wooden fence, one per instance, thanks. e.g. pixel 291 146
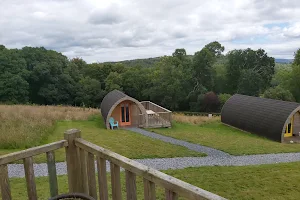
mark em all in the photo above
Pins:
pixel 80 158
pixel 198 113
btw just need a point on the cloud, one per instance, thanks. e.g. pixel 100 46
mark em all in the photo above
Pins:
pixel 127 29
pixel 109 15
pixel 292 31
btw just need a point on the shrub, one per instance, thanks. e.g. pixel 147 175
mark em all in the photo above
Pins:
pixel 278 93
pixel 210 102
pixel 223 98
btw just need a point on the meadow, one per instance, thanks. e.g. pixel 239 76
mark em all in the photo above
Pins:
pixel 24 126
pixel 28 126
pixel 212 133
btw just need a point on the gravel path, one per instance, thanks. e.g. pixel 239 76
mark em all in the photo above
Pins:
pixel 16 170
pixel 214 158
pixel 194 147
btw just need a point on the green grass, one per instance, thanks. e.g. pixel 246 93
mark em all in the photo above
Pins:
pixel 228 139
pixel 126 143
pixel 274 181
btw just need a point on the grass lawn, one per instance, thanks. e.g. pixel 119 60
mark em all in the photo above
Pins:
pixel 219 136
pixel 124 142
pixel 276 181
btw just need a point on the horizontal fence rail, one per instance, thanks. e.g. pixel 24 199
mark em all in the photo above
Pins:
pixel 173 186
pixel 27 157
pixel 12 157
pixel 159 119
pixel 81 157
pixel 154 107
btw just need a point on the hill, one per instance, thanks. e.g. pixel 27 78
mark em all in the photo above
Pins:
pixel 145 62
pixel 280 60
pixel 149 62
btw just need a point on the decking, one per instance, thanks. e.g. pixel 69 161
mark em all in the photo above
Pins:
pixel 157 116
pixel 80 158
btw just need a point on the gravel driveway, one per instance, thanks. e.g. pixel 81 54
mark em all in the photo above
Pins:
pixel 17 170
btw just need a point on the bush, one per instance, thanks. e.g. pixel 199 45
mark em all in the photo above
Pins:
pixel 210 102
pixel 223 98
pixel 278 93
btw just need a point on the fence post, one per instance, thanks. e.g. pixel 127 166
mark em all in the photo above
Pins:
pixel 73 163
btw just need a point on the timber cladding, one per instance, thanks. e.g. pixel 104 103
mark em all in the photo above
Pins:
pixel 296 128
pixel 265 117
pixel 109 100
pixel 111 107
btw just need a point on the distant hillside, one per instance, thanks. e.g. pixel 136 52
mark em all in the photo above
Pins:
pixel 146 62
pixel 278 60
pixel 149 62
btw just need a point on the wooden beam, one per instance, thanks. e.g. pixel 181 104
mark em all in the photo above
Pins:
pixel 170 195
pixel 115 182
pixel 52 173
pixel 83 172
pixel 130 185
pixel 149 190
pixel 102 179
pixel 8 158
pixel 73 164
pixel 30 179
pixel 4 183
pixel 91 175
pixel 168 182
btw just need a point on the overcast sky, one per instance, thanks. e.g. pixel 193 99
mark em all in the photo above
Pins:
pixel 112 30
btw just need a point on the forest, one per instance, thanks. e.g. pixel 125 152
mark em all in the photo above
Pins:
pixel 201 82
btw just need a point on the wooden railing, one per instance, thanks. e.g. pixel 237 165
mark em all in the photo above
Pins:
pixel 154 107
pixel 26 156
pixel 159 119
pixel 80 157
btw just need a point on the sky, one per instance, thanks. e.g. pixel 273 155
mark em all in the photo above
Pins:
pixel 114 30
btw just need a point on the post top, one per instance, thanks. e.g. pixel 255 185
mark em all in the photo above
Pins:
pixel 72 131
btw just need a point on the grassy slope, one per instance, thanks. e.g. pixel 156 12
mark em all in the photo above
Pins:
pixel 124 142
pixel 276 181
pixel 225 138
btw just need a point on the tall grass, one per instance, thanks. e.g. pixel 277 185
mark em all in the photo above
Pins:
pixel 25 126
pixel 181 118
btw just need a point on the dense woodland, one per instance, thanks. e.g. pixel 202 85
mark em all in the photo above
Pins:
pixel 202 82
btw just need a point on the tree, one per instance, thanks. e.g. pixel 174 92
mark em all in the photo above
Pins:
pixel 215 48
pixel 169 84
pixel 297 58
pixel 282 76
pixel 2 47
pixel 249 83
pixel 179 53
pixel 294 77
pixel 255 63
pixel 135 81
pixel 219 75
pixel 89 93
pixel 202 66
pixel 79 62
pixel 278 93
pixel 13 77
pixel 13 88
pixel 49 82
pixel 113 82
pixel 295 82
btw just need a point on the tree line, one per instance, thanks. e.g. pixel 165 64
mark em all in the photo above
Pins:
pixel 201 82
